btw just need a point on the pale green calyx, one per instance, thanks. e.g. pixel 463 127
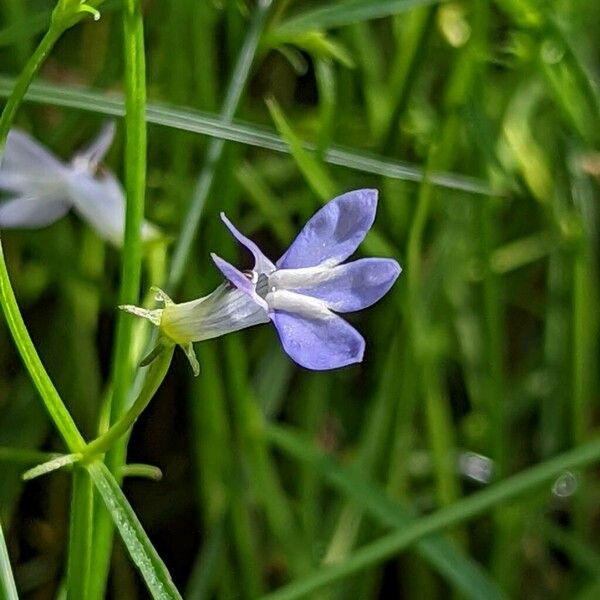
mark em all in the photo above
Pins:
pixel 68 12
pixel 225 310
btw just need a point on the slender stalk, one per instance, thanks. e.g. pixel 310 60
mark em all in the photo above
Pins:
pixel 54 404
pixel 22 84
pixel 80 535
pixel 131 266
pixel 452 515
pixel 135 185
pixel 156 373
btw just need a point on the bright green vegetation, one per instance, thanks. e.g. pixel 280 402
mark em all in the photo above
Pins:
pixel 479 123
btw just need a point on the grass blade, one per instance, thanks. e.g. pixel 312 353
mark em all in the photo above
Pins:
pixel 347 12
pixel 140 548
pixel 462 572
pixel 237 131
pixel 456 513
pixel 7 580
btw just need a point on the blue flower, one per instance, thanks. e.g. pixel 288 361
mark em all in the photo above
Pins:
pixel 43 189
pixel 308 285
pixel 300 293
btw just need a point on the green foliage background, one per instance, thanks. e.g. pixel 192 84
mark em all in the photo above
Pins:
pixel 478 121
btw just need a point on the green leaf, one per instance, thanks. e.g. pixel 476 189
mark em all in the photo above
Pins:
pixel 141 550
pixel 236 131
pixel 52 465
pixel 349 11
pixel 8 588
pixel 449 560
pixel 314 173
pixel 54 405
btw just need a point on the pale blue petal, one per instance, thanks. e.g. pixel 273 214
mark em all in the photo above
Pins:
pixel 355 285
pixel 261 263
pixel 319 343
pixel 32 213
pixel 28 169
pixel 239 280
pixel 92 155
pixel 334 232
pixel 22 153
pixel 101 202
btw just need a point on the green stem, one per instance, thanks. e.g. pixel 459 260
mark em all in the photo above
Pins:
pixel 80 535
pixel 22 84
pixel 156 374
pixel 459 512
pixel 135 182
pixel 123 364
pixel 54 404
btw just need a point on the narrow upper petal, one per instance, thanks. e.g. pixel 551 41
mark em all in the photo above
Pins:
pixel 239 280
pixel 92 155
pixel 319 343
pixel 345 288
pixel 261 263
pixel 334 232
pixel 32 213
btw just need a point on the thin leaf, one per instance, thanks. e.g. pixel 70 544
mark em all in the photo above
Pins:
pixel 237 131
pixel 349 11
pixel 460 570
pixel 52 465
pixel 8 588
pixel 315 175
pixel 140 548
pixel 468 508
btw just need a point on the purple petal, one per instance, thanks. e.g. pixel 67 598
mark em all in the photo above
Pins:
pixel 334 232
pixel 319 343
pixel 261 263
pixel 239 280
pixel 355 285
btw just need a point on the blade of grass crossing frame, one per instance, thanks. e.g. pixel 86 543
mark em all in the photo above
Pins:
pixel 139 546
pixel 346 12
pixel 459 512
pixel 458 569
pixel 244 133
pixel 7 580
